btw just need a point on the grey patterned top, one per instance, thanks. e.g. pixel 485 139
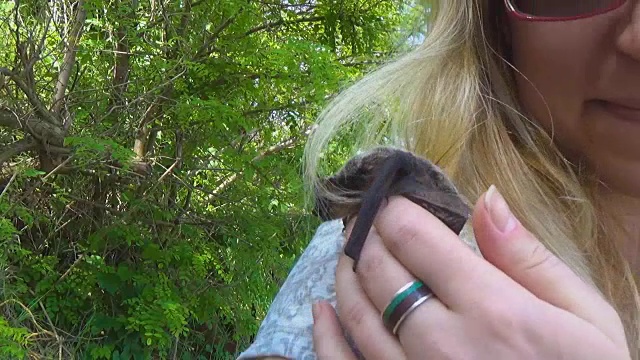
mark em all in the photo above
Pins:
pixel 287 329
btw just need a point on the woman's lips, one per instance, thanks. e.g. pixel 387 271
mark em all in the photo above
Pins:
pixel 629 113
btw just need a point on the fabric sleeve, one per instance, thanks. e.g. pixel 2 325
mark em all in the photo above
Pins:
pixel 287 329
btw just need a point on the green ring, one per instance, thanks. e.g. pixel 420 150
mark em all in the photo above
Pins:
pixel 398 298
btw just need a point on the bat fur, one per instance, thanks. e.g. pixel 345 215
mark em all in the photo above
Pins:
pixel 369 178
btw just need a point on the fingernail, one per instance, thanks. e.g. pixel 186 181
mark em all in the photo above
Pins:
pixel 315 311
pixel 499 211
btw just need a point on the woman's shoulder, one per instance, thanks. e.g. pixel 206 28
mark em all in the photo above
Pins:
pixel 287 329
pixel 313 275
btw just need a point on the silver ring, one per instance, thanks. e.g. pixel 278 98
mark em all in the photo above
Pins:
pixel 410 310
pixel 405 301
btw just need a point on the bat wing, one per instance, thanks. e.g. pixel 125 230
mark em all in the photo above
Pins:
pixel 447 207
pixel 445 204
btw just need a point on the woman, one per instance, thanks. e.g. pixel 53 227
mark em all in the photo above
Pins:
pixel 540 98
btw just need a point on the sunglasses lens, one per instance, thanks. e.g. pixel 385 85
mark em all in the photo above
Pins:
pixel 565 8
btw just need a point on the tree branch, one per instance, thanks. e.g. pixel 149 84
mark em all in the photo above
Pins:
pixel 38 128
pixel 362 63
pixel 40 109
pixel 205 48
pixel 69 58
pixel 16 148
pixel 122 67
pixel 153 111
pixel 283 22
pixel 277 108
pixel 270 151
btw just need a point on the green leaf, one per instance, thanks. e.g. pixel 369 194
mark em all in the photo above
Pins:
pixel 33 173
pixel 152 252
pixel 110 282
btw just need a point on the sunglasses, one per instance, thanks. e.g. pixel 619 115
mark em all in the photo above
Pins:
pixel 560 10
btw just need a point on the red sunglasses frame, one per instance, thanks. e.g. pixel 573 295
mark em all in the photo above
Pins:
pixel 513 11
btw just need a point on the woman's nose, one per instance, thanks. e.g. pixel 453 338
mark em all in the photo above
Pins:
pixel 629 40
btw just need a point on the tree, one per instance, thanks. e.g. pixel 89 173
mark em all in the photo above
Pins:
pixel 151 198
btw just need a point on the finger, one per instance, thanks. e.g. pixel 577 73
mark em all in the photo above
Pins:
pixel 381 276
pixel 433 253
pixel 514 250
pixel 361 318
pixel 329 341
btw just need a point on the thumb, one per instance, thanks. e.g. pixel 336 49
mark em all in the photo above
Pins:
pixel 510 247
pixel 328 340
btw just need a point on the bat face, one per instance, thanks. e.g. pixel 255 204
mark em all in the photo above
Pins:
pixel 351 182
pixel 422 182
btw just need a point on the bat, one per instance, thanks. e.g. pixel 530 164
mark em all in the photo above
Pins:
pixel 366 180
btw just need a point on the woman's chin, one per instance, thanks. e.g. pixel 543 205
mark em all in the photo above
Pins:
pixel 620 176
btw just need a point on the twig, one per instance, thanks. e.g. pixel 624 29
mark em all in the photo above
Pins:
pixel 30 314
pixel 46 314
pixel 65 162
pixel 70 268
pixel 175 347
pixel 15 174
pixel 169 170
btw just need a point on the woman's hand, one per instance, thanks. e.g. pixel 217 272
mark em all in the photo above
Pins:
pixel 520 302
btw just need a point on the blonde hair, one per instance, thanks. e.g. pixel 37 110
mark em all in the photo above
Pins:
pixel 452 100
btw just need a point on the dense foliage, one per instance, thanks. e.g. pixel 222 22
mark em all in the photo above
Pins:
pixel 150 193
